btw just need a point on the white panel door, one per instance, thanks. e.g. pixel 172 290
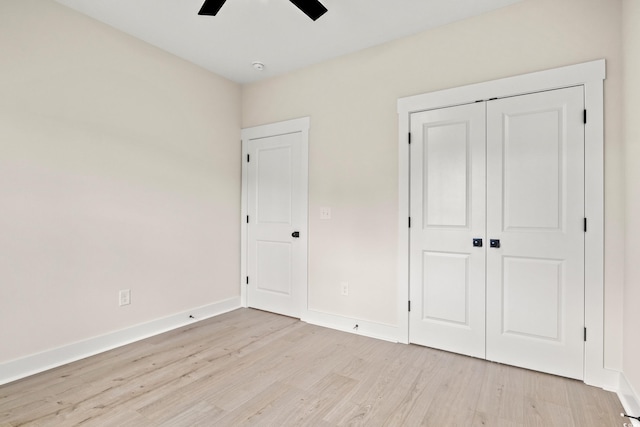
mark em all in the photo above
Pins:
pixel 535 208
pixel 276 255
pixel 447 272
pixel 518 299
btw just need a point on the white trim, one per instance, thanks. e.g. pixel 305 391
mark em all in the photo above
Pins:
pixel 590 75
pixel 30 365
pixel 595 372
pixel 404 127
pixel 347 324
pixel 629 398
pixel 572 75
pixel 301 125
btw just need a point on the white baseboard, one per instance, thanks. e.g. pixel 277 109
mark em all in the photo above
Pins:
pixel 629 398
pixel 33 364
pixel 347 324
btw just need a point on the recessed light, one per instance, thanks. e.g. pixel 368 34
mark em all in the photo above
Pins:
pixel 258 66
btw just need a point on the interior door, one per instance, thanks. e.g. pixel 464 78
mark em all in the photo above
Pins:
pixel 510 172
pixel 277 224
pixel 447 272
pixel 535 208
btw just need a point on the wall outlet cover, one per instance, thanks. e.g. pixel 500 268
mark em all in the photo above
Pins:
pixel 344 288
pixel 124 297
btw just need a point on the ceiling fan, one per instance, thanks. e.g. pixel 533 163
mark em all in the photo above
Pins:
pixel 312 8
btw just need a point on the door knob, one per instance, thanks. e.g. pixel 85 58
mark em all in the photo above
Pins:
pixel 494 243
pixel 477 243
pixel 295 234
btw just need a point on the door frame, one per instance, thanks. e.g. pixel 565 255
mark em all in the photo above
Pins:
pixel 300 125
pixel 590 76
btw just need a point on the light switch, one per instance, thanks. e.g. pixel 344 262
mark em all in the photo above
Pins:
pixel 325 213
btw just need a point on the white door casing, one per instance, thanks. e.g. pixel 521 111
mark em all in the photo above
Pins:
pixel 591 77
pixel 274 214
pixel 447 213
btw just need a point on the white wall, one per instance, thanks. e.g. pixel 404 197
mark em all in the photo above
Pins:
pixel 631 128
pixel 119 169
pixel 353 138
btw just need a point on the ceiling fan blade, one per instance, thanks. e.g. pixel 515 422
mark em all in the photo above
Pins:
pixel 312 8
pixel 211 7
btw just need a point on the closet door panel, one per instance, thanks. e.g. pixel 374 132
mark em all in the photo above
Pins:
pixel 535 208
pixel 447 272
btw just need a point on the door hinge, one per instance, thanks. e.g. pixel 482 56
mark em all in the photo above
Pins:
pixel 409 138
pixel 247 219
pixel 409 222
pixel 584 116
pixel 247 280
pixel 409 306
pixel 248 158
pixel 585 334
pixel 585 225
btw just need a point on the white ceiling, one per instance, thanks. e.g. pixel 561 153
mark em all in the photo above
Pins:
pixel 274 32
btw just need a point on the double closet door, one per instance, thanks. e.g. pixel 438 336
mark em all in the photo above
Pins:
pixel 497 230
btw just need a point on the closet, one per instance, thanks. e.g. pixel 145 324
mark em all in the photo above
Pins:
pixel 497 230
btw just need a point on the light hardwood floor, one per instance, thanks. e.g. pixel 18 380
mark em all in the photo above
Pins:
pixel 249 367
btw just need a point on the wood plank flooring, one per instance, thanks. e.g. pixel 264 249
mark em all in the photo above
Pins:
pixel 249 367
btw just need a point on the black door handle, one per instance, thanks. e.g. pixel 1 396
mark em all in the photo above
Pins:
pixel 477 243
pixel 295 234
pixel 494 243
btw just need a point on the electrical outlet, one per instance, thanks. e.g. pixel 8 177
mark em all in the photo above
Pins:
pixel 345 288
pixel 125 297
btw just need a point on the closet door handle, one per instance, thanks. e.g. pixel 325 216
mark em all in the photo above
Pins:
pixel 477 243
pixel 494 243
pixel 295 234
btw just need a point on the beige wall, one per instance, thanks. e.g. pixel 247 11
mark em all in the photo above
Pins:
pixel 119 168
pixel 631 128
pixel 353 137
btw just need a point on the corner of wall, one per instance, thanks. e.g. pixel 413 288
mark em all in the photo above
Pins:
pixel 629 398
